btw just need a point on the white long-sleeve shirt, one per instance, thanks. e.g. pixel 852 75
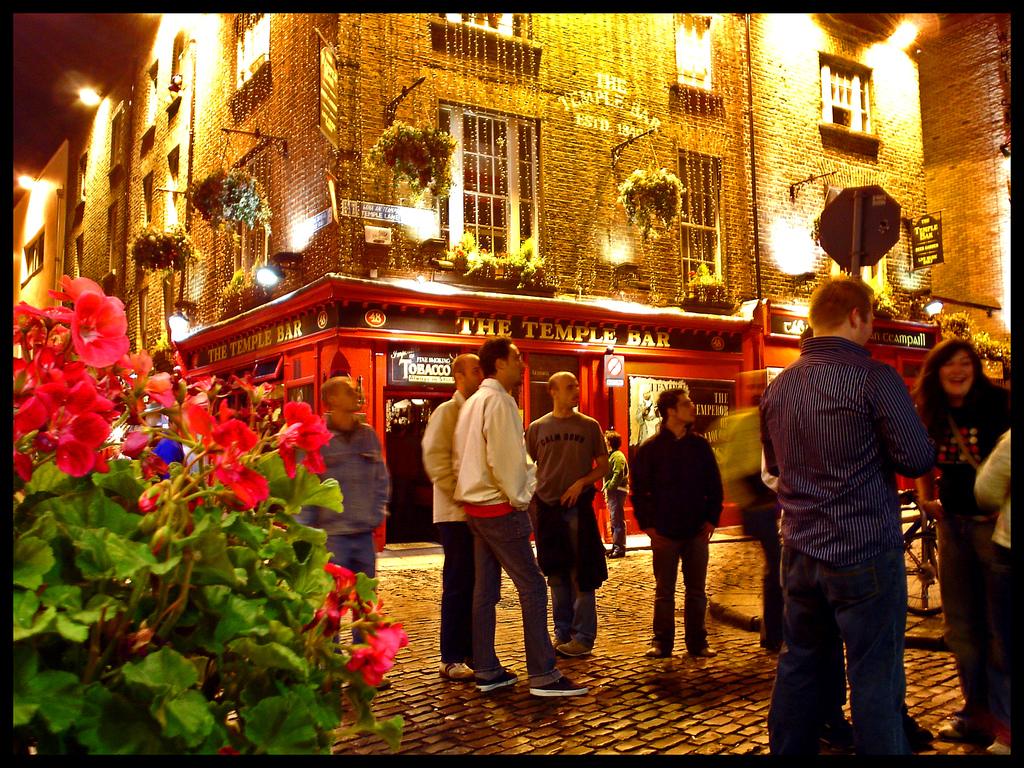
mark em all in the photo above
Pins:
pixel 992 488
pixel 437 459
pixel 489 452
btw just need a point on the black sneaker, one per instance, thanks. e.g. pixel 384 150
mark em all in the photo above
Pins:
pixel 502 680
pixel 563 686
pixel 838 736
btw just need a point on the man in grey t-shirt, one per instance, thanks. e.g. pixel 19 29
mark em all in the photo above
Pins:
pixel 571 456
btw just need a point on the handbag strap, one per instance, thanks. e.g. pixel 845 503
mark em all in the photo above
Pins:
pixel 960 441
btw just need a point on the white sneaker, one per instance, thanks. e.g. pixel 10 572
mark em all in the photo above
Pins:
pixel 456 671
pixel 998 747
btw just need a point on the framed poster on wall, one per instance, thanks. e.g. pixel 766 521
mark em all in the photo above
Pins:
pixel 714 399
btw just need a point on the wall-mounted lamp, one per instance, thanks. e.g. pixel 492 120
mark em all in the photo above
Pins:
pixel 936 304
pixel 272 273
pixel 89 96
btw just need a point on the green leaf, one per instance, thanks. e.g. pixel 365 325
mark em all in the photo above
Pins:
pixel 304 489
pixel 91 509
pixel 281 725
pixel 187 717
pixel 32 559
pixel 120 480
pixel 270 656
pixel 111 724
pixel 53 694
pixel 166 670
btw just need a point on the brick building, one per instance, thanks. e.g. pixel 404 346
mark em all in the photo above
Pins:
pixel 761 117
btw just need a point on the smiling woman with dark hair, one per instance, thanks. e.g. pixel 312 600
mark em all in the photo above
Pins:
pixel 965 414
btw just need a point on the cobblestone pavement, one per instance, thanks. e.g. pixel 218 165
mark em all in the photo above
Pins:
pixel 635 705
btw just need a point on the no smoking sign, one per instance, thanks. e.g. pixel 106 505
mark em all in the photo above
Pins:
pixel 614 371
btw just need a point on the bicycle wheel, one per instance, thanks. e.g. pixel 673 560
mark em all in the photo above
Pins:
pixel 922 574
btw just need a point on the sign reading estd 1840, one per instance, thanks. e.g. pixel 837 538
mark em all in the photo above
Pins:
pixel 926 242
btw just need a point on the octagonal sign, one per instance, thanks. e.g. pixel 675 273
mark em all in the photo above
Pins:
pixel 861 221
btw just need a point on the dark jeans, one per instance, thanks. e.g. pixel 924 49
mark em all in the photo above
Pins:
pixel 761 524
pixel 457 579
pixel 357 553
pixel 667 554
pixel 864 605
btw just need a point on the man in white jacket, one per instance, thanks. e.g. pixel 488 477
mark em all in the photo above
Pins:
pixel 495 482
pixel 450 518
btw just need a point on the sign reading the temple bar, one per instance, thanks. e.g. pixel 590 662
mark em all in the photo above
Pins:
pixel 409 366
pixel 926 242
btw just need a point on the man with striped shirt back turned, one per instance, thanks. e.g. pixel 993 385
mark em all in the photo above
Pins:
pixel 837 427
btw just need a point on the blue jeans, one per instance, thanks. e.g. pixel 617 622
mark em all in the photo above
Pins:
pixel 503 543
pixel 969 584
pixel 865 606
pixel 457 579
pixel 615 499
pixel 666 556
pixel 573 612
pixel 356 552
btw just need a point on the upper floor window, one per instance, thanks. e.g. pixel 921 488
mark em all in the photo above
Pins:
pixel 252 31
pixel 117 137
pixel 494 196
pixel 83 171
pixel 154 95
pixel 700 214
pixel 33 258
pixel 511 24
pixel 693 50
pixel 845 95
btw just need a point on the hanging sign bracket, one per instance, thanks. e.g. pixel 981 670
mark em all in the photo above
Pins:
pixel 620 148
pixel 392 107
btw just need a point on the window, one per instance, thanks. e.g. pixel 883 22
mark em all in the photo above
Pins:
pixel 151 102
pixel 143 313
pixel 33 258
pixel 117 137
pixel 111 233
pixel 147 198
pixel 83 168
pixel 254 242
pixel 693 50
pixel 699 215
pixel 845 95
pixel 252 31
pixel 495 192
pixel 510 24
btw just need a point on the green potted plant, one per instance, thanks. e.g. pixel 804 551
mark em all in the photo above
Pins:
pixel 164 250
pixel 527 266
pixel 651 198
pixel 174 609
pixel 242 292
pixel 883 305
pixel 704 286
pixel 230 198
pixel 422 156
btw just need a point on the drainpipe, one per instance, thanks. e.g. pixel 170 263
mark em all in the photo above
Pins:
pixel 753 168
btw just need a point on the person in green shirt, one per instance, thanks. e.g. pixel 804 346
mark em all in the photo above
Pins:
pixel 616 489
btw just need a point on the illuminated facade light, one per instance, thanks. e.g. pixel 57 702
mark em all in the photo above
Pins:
pixel 904 36
pixel 89 96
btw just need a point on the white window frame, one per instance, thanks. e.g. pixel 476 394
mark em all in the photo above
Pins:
pixel 514 125
pixel 253 45
pixel 686 225
pixel 499 23
pixel 693 50
pixel 153 99
pixel 847 89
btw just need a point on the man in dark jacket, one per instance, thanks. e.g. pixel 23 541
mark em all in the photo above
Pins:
pixel 677 500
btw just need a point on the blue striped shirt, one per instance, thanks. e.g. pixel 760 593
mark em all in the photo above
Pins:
pixel 837 426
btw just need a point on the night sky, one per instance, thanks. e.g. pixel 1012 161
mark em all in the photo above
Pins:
pixel 56 54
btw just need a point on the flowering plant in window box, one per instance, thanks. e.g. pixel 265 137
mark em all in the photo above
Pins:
pixel 705 286
pixel 165 250
pixel 170 608
pixel 651 198
pixel 229 198
pixel 423 156
pixel 527 266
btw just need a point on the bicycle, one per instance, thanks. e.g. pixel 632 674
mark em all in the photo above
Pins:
pixel 921 547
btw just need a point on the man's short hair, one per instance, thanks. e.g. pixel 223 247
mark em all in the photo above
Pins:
pixel 491 351
pixel 614 439
pixel 834 300
pixel 332 386
pixel 461 363
pixel 668 399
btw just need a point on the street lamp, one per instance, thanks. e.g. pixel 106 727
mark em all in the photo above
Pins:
pixel 89 96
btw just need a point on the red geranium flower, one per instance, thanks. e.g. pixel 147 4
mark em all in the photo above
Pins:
pixel 306 431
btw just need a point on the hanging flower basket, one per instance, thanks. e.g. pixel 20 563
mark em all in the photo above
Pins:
pixel 706 287
pixel 651 198
pixel 423 156
pixel 228 198
pixel 164 250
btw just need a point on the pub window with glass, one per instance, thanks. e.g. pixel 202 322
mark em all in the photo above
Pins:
pixel 494 195
pixel 700 213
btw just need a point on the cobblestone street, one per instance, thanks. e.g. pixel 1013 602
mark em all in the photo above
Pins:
pixel 635 705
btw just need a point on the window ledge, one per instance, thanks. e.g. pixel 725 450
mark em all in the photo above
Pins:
pixel 252 93
pixel 474 42
pixel 847 140
pixel 698 101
